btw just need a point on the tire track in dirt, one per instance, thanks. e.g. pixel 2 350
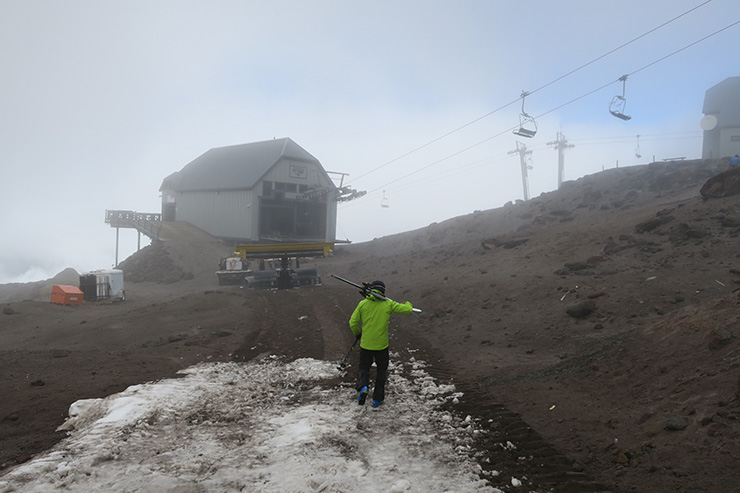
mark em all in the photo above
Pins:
pixel 510 448
pixel 515 449
pixel 292 324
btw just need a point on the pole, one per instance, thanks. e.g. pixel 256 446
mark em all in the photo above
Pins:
pixel 343 364
pixel 521 149
pixel 560 143
pixel 117 233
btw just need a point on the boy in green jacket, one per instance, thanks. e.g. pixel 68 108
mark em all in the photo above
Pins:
pixel 370 322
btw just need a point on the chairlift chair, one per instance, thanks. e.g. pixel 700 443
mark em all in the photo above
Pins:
pixel 617 106
pixel 527 124
pixel 384 201
pixel 638 155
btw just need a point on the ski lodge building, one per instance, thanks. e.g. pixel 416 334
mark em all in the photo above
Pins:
pixel 721 121
pixel 255 193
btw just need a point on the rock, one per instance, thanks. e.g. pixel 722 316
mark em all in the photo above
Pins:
pixel 622 459
pixel 515 243
pixel 439 312
pixel 571 267
pixel 581 310
pixel 8 311
pixel 719 338
pixel 676 424
pixel 652 224
pixel 724 184
pixel 38 383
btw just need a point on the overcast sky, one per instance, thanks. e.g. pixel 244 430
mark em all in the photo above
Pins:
pixel 101 100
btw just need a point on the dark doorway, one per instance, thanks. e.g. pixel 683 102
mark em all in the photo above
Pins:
pixel 168 212
pixel 292 219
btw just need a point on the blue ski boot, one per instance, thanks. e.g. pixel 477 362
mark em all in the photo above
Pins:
pixel 362 396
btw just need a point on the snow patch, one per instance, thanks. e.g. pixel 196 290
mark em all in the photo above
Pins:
pixel 266 426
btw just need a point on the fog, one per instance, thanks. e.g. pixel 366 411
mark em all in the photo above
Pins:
pixel 102 100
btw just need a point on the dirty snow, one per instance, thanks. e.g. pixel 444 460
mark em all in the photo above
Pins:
pixel 267 426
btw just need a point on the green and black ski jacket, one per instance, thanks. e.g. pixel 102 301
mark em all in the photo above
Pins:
pixel 371 318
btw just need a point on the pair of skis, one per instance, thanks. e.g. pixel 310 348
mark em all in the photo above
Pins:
pixel 365 290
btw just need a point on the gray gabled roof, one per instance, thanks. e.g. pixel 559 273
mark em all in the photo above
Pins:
pixel 723 101
pixel 237 167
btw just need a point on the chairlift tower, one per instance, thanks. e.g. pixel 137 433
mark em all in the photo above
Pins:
pixel 561 144
pixel 521 149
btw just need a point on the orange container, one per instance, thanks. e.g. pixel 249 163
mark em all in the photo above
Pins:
pixel 66 295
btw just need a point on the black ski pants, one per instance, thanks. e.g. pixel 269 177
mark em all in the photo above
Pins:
pixel 380 358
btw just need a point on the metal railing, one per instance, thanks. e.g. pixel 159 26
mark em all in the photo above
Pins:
pixel 148 223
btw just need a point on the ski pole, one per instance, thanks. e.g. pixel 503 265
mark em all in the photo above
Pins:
pixel 365 290
pixel 343 364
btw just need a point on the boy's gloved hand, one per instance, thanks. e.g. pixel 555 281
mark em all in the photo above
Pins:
pixel 365 289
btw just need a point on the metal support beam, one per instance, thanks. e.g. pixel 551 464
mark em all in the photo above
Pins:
pixel 560 143
pixel 521 149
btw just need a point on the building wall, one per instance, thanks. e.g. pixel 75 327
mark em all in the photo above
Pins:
pixel 710 144
pixel 721 142
pixel 226 214
pixel 729 141
pixel 298 172
pixel 723 102
pixel 235 213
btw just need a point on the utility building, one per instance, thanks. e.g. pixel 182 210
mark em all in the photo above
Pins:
pixel 256 193
pixel 721 121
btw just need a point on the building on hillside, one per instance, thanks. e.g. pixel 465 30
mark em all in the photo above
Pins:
pixel 256 193
pixel 721 121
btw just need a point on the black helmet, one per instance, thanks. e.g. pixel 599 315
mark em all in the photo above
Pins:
pixel 378 286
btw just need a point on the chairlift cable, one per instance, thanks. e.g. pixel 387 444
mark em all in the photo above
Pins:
pixel 439 138
pixel 696 132
pixel 531 92
pixel 600 88
pixel 685 47
pixel 623 77
pixel 619 47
